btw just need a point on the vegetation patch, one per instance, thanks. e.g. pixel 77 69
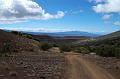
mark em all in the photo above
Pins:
pixel 106 48
pixel 22 34
pixel 45 46
pixel 83 50
pixel 5 49
pixel 64 48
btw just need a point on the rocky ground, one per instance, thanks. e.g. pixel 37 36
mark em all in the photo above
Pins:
pixel 32 66
pixel 49 65
pixel 110 64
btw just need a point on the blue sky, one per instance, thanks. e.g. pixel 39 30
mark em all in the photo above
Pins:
pixel 74 15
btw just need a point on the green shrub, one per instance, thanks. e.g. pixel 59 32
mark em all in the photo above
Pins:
pixel 65 48
pixel 105 51
pixel 55 45
pixel 83 50
pixel 45 46
pixel 6 48
pixel 17 33
pixel 21 34
pixel 28 36
pixel 117 53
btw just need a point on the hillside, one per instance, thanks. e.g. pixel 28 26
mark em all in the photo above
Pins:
pixel 106 46
pixel 111 35
pixel 67 40
pixel 49 64
pixel 109 39
pixel 9 41
pixel 77 37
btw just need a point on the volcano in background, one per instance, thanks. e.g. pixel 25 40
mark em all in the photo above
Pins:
pixel 68 33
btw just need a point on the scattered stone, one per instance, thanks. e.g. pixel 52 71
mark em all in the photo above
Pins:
pixel 33 65
pixel 7 68
pixel 42 78
pixel 92 53
pixel 2 75
pixel 117 67
pixel 21 62
pixel 26 66
pixel 108 67
pixel 31 75
pixel 13 73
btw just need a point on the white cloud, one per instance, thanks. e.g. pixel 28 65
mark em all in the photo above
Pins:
pixel 117 23
pixel 107 6
pixel 96 1
pixel 74 12
pixel 81 10
pixel 37 29
pixel 11 21
pixel 107 16
pixel 13 11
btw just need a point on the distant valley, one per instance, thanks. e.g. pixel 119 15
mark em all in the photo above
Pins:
pixel 69 33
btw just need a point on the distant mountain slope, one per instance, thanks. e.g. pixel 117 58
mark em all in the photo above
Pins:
pixel 109 39
pixel 112 39
pixel 59 40
pixel 17 43
pixel 111 35
pixel 70 33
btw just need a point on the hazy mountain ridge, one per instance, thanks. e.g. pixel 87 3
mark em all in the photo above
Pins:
pixel 69 33
pixel 111 35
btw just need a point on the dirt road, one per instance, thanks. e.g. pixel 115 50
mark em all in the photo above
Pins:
pixel 80 68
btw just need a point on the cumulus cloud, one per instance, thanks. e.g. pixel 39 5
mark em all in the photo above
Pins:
pixel 14 11
pixel 96 1
pixel 107 6
pixel 117 23
pixel 37 29
pixel 107 16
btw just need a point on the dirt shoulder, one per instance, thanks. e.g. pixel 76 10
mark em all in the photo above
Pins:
pixel 110 64
pixel 80 68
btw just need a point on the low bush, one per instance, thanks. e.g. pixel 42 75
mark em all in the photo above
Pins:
pixel 82 50
pixel 28 36
pixel 17 33
pixel 117 53
pixel 106 51
pixel 45 46
pixel 6 48
pixel 21 34
pixel 55 45
pixel 65 48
